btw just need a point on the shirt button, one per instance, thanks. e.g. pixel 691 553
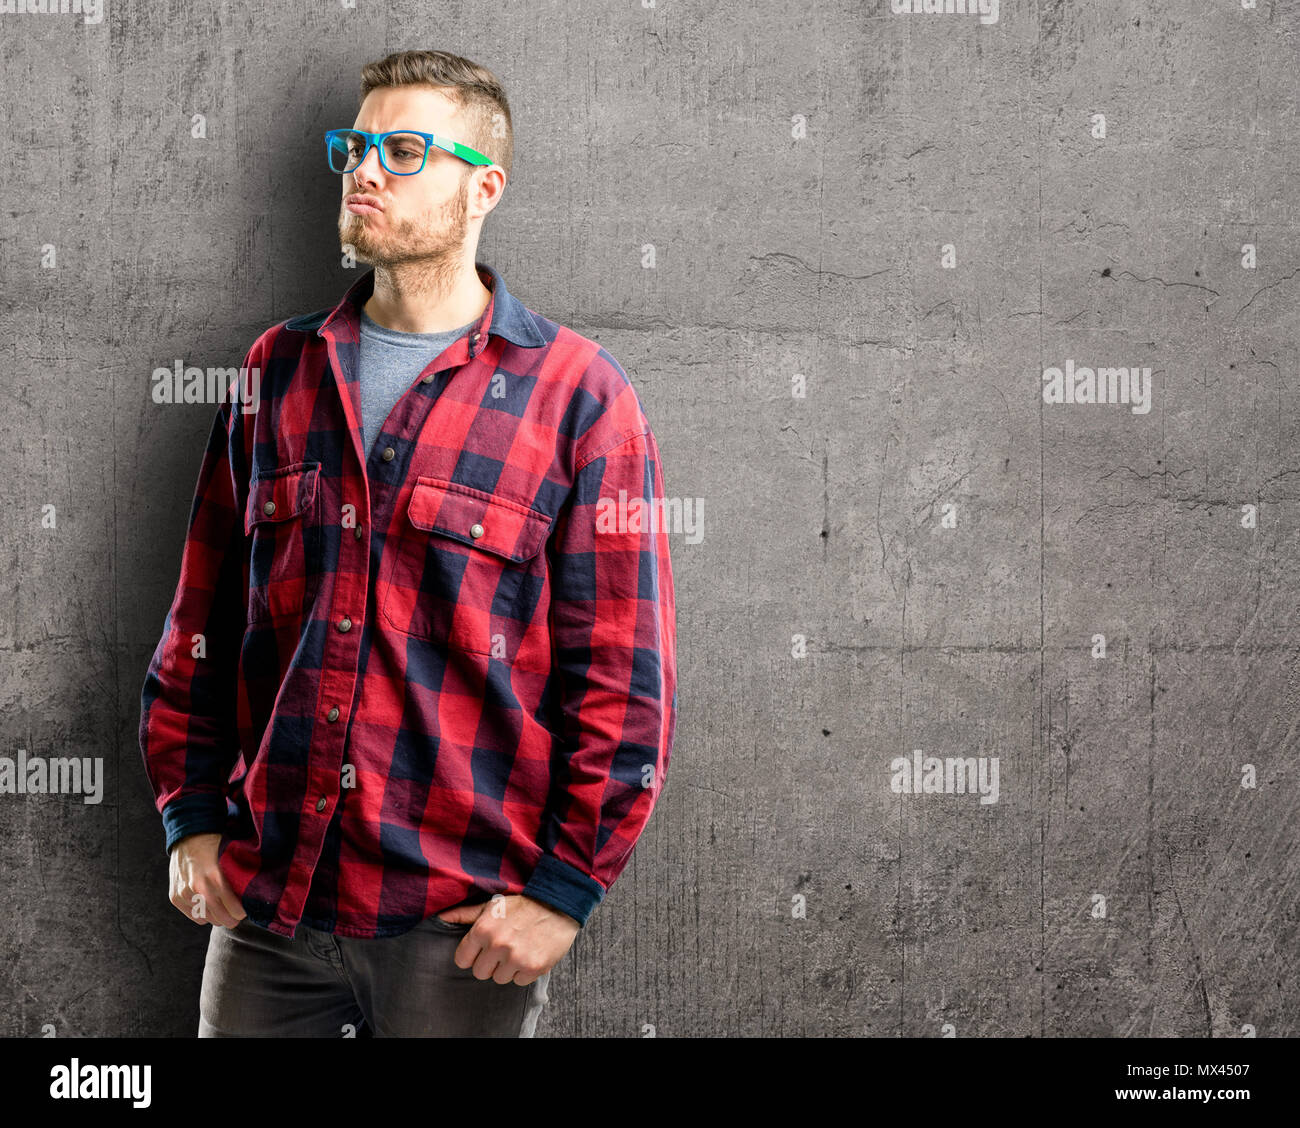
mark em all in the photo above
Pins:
pixel 476 531
pixel 427 379
pixel 333 714
pixel 356 532
pixel 389 454
pixel 269 508
pixel 345 625
pixel 320 804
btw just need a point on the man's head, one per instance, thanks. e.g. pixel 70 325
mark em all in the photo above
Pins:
pixel 436 215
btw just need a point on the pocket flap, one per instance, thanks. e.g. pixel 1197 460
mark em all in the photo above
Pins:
pixel 504 528
pixel 281 495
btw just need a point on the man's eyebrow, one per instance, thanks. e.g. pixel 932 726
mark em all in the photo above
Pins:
pixel 400 129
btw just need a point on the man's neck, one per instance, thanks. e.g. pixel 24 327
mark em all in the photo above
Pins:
pixel 417 297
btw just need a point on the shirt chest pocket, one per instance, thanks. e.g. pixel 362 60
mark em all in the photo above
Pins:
pixel 283 519
pixel 468 569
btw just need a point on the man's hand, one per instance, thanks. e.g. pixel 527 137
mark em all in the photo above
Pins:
pixel 198 887
pixel 514 939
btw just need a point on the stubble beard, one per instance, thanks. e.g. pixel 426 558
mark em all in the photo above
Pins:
pixel 425 250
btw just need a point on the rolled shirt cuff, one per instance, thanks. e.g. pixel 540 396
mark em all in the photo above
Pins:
pixel 563 887
pixel 201 813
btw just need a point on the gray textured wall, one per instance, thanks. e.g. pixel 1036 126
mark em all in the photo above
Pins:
pixel 949 545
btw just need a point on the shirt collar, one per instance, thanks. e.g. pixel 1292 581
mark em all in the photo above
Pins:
pixel 505 315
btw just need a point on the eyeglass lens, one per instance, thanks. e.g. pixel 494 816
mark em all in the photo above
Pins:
pixel 403 152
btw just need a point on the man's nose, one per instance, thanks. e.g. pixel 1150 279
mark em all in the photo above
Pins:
pixel 369 171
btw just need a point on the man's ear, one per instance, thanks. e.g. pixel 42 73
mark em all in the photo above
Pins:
pixel 499 175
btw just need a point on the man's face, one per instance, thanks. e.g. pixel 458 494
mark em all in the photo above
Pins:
pixel 419 217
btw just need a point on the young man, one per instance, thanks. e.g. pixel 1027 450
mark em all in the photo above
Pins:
pixel 415 697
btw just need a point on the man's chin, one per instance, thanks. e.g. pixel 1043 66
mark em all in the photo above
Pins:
pixel 356 237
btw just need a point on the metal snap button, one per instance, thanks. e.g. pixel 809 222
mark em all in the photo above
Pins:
pixel 269 508
pixel 389 454
pixel 333 714
pixel 345 625
pixel 476 531
pixel 320 804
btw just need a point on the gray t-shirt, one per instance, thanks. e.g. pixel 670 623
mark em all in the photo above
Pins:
pixel 389 364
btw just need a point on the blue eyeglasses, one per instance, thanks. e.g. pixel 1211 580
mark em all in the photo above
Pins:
pixel 402 152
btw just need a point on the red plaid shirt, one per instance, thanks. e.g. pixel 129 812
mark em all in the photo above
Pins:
pixel 411 678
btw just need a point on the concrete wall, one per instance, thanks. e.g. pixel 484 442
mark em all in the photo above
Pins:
pixel 908 218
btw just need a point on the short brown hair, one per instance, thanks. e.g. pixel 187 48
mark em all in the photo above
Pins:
pixel 478 92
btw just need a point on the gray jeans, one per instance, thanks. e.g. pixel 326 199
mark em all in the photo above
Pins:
pixel 260 984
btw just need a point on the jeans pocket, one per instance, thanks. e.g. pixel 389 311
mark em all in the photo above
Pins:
pixel 441 925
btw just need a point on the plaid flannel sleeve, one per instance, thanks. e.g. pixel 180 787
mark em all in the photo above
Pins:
pixel 613 629
pixel 188 734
